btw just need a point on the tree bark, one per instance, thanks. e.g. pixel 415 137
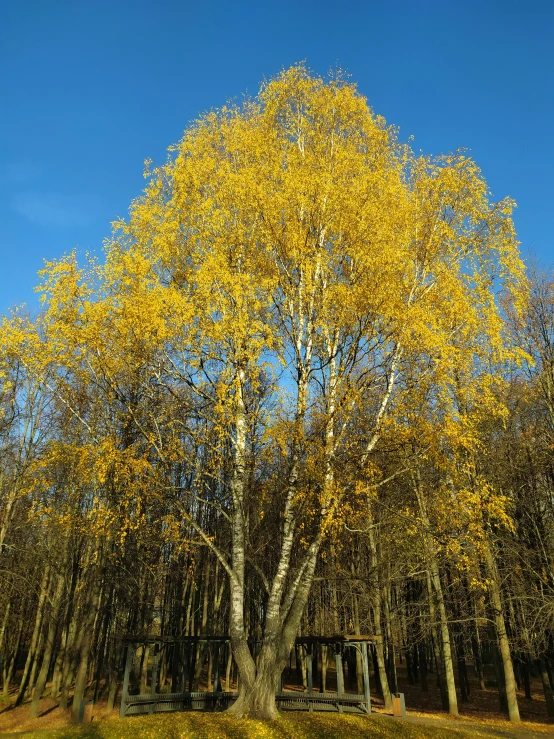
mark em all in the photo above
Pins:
pixel 32 654
pixel 434 573
pixel 376 604
pixel 49 646
pixel 85 642
pixel 502 636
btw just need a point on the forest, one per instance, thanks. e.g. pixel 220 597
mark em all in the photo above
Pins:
pixel 307 388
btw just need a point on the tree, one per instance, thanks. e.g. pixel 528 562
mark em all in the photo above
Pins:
pixel 291 287
pixel 296 232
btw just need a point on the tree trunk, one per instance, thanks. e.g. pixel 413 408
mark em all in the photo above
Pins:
pixel 86 639
pixel 435 643
pixel 549 698
pixel 434 572
pixel 228 670
pixel 423 666
pixel 502 636
pixel 49 646
pixel 526 676
pixel 258 700
pixel 4 624
pixel 32 654
pixel 376 604
pixel 359 667
pixel 478 662
pixel 10 666
pixel 113 679
pixel 71 644
pixel 324 658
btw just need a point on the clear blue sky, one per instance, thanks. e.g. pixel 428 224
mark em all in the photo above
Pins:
pixel 89 89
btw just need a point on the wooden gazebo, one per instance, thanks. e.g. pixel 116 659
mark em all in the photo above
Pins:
pixel 180 654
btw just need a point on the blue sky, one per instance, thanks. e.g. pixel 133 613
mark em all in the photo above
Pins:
pixel 90 89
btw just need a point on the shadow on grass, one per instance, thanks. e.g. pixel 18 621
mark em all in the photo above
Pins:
pixel 6 705
pixel 49 710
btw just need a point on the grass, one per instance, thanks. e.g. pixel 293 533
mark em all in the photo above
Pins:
pixel 218 726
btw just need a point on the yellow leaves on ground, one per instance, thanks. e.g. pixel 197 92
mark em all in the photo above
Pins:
pixel 299 726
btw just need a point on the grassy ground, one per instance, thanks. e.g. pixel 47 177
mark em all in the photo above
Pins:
pixel 426 719
pixel 288 726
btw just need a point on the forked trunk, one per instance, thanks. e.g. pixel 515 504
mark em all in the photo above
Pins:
pixel 257 700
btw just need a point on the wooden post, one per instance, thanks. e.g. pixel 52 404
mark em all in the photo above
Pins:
pixel 365 664
pixel 125 691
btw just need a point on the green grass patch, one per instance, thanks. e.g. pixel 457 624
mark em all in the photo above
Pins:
pixel 210 726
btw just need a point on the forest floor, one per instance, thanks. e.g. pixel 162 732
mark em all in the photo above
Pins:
pixel 480 718
pixel 53 723
pixel 290 725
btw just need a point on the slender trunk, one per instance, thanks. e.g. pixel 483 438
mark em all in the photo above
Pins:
pixel 359 667
pixel 201 648
pixel 502 636
pixel 113 681
pixel 445 637
pixel 302 653
pixel 422 649
pixel 31 655
pixel 144 669
pixel 434 572
pixel 526 676
pixel 228 670
pixel 435 641
pixel 549 698
pixel 104 629
pixel 390 662
pixel 60 657
pixel 9 510
pixel 324 658
pixel 34 668
pixel 210 668
pixel 4 624
pixel 377 616
pixel 49 646
pixel 73 632
pixel 462 671
pixel 66 676
pixel 9 668
pixel 478 662
pixel 86 640
pixel 499 673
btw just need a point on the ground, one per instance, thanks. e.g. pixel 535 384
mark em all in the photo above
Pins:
pixel 480 718
pixel 55 724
